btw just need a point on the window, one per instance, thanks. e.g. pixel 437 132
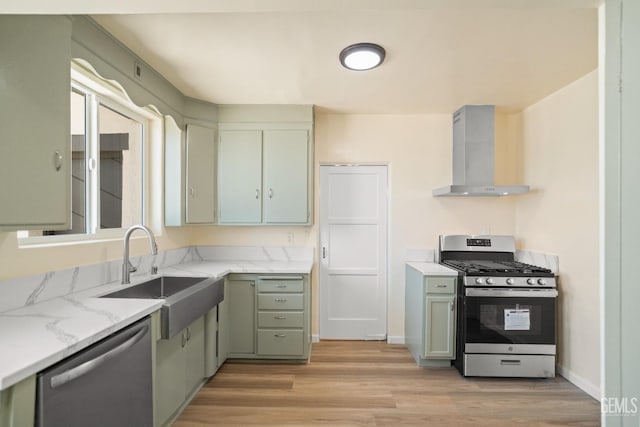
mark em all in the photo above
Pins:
pixel 108 136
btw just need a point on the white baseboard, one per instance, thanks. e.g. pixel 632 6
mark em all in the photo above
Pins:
pixel 390 339
pixel 395 340
pixel 586 386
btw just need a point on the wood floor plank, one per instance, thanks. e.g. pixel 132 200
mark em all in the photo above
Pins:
pixel 364 383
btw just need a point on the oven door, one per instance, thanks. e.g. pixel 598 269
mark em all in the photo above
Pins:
pixel 519 321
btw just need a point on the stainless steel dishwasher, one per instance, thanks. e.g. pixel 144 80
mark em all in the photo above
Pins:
pixel 108 384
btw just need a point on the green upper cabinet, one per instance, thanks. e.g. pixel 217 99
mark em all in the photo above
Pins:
pixel 240 177
pixel 35 138
pixel 285 171
pixel 189 173
pixel 200 205
pixel 263 176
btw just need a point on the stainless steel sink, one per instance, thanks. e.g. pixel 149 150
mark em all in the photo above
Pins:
pixel 185 299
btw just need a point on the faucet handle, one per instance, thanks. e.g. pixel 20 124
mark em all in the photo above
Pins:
pixel 132 268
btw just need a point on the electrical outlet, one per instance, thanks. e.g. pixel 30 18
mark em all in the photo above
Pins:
pixel 290 238
pixel 137 70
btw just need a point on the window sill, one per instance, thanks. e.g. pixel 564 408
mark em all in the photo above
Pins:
pixel 76 239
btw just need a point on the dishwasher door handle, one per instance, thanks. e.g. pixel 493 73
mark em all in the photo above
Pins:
pixel 73 373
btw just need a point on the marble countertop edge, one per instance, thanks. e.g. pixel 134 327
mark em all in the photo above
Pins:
pixel 432 269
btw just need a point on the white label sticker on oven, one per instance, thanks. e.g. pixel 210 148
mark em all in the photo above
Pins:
pixel 516 319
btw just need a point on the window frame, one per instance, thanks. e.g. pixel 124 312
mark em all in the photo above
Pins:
pixel 110 94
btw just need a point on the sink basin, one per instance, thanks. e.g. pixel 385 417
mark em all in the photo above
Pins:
pixel 160 287
pixel 185 299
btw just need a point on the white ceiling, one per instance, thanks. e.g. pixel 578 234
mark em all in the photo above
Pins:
pixel 439 57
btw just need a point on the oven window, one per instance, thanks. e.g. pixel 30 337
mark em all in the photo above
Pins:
pixel 510 320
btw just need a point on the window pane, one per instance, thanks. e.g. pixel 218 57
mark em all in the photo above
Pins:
pixel 120 147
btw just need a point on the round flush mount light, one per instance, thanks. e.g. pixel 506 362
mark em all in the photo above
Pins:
pixel 362 56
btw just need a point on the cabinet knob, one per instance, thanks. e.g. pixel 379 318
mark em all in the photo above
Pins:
pixel 57 160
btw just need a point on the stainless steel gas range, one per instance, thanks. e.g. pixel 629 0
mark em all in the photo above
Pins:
pixel 506 309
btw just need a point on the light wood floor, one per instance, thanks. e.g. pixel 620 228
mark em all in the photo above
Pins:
pixel 373 383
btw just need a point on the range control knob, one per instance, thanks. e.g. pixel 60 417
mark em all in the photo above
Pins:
pixel 531 281
pixel 542 282
pixel 510 281
pixel 479 281
pixel 490 281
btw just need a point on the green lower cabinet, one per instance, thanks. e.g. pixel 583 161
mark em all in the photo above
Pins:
pixel 440 322
pixel 269 316
pixel 280 342
pixel 180 369
pixel 18 404
pixel 224 327
pixel 241 299
pixel 430 317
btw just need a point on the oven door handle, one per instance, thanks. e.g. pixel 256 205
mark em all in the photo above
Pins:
pixel 493 292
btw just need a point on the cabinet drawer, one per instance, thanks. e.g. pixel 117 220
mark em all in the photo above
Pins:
pixel 441 285
pixel 279 285
pixel 280 302
pixel 280 342
pixel 280 319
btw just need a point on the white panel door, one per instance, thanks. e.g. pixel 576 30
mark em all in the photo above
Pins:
pixel 353 252
pixel 240 177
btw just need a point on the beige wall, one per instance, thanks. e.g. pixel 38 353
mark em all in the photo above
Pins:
pixel 560 148
pixel 18 262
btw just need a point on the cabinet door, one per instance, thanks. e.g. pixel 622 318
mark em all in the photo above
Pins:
pixel 223 326
pixel 211 342
pixel 170 371
pixel 440 315
pixel 241 316
pixel 194 355
pixel 200 175
pixel 174 174
pixel 285 176
pixel 239 177
pixel 35 136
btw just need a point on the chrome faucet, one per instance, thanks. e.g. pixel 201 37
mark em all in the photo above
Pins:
pixel 126 265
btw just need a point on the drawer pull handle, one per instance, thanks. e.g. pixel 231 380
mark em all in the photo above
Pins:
pixel 281 300
pixel 281 286
pixel 441 286
pixel 279 317
pixel 509 362
pixel 279 335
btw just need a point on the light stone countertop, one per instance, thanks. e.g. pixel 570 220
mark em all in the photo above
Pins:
pixel 432 269
pixel 37 336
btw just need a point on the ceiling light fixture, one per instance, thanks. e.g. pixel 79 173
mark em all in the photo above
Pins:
pixel 362 56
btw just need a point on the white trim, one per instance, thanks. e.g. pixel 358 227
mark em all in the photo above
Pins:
pixel 315 338
pixel 395 340
pixel 583 384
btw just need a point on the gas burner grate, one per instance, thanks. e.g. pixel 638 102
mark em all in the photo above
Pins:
pixel 482 267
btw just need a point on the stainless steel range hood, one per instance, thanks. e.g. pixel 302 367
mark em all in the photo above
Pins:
pixel 473 156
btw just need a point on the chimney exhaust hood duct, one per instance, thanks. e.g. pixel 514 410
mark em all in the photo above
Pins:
pixel 473 156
